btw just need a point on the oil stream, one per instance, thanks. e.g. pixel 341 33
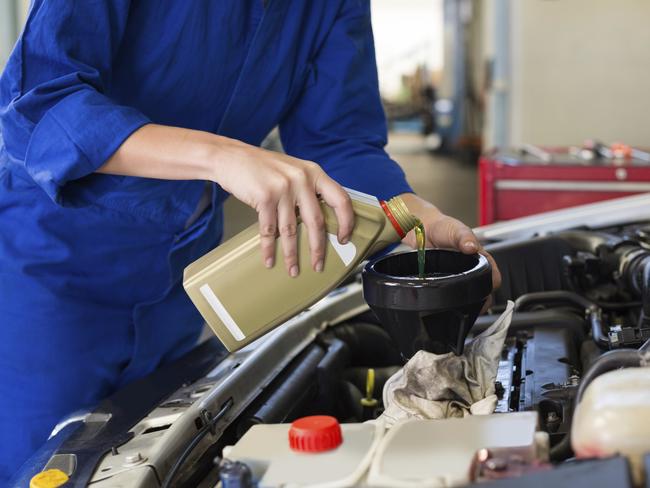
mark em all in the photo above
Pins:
pixel 421 240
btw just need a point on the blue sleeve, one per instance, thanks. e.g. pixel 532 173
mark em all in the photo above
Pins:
pixel 338 121
pixel 59 122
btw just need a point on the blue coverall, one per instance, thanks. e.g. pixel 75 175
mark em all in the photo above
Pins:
pixel 90 264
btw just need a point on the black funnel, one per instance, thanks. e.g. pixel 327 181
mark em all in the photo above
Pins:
pixel 434 313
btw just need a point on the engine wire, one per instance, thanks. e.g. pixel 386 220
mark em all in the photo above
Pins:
pixel 209 422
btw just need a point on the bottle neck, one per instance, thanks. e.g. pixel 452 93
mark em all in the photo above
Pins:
pixel 399 216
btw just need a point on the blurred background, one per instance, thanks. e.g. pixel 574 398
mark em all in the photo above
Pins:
pixel 544 81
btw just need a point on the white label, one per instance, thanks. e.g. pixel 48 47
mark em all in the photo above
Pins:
pixel 221 312
pixel 346 252
pixel 362 197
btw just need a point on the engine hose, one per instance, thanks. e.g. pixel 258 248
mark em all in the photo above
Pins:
pixel 597 329
pixel 369 344
pixel 618 306
pixel 609 361
pixel 551 318
pixel 644 318
pixel 589 241
pixel 536 298
pixel 562 450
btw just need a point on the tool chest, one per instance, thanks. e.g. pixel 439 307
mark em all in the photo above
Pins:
pixel 528 180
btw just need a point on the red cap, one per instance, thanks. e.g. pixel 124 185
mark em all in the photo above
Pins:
pixel 317 433
pixel 393 220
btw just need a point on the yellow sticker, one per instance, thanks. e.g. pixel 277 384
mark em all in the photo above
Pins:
pixel 51 478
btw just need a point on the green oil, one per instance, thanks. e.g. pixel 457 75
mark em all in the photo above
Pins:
pixel 420 238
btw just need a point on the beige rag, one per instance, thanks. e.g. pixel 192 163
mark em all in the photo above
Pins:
pixel 436 386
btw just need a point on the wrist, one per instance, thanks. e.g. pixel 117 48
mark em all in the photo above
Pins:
pixel 214 155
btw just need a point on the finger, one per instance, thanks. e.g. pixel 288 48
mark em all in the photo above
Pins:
pixel 449 232
pixel 337 198
pixel 496 274
pixel 288 234
pixel 268 222
pixel 312 216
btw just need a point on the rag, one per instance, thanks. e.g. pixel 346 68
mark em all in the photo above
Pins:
pixel 437 386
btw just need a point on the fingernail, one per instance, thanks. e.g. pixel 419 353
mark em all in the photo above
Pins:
pixel 470 246
pixel 319 266
pixel 269 262
pixel 293 271
pixel 343 240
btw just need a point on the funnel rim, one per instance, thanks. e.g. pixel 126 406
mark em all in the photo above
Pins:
pixel 482 263
pixel 384 290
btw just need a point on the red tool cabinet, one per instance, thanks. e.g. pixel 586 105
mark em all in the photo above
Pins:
pixel 516 183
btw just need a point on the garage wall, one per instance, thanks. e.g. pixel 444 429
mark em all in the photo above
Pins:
pixel 580 69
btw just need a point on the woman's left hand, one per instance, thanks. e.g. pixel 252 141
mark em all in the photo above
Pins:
pixel 446 232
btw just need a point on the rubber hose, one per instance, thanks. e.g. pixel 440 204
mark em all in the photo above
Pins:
pixel 535 298
pixel 609 361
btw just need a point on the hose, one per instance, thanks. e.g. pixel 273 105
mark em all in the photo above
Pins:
pixel 589 241
pixel 592 310
pixel 565 319
pixel 534 298
pixel 369 344
pixel 597 335
pixel 609 361
pixel 618 306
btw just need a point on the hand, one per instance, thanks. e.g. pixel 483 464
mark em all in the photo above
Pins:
pixel 275 185
pixel 444 231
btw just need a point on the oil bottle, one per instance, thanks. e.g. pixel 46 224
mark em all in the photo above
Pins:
pixel 241 299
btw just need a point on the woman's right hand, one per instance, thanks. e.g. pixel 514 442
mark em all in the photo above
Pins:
pixel 275 185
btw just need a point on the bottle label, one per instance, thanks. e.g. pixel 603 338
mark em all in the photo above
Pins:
pixel 346 252
pixel 362 197
pixel 221 312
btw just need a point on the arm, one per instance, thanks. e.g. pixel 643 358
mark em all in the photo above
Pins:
pixel 271 183
pixel 339 122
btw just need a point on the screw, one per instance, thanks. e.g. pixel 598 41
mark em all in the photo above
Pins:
pixel 552 417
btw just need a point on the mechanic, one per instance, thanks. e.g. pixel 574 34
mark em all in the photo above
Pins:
pixel 114 116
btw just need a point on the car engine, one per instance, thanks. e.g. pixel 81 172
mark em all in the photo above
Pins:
pixel 582 309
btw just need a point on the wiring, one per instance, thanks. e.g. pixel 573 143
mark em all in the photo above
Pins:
pixel 209 423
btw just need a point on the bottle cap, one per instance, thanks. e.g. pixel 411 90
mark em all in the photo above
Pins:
pixel 317 433
pixel 399 215
pixel 50 478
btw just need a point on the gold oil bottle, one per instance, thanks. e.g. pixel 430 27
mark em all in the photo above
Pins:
pixel 241 299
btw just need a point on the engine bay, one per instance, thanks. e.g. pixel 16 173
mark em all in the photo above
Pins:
pixel 581 309
pixel 578 295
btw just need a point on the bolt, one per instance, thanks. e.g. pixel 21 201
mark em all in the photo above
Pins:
pixel 496 464
pixel 552 417
pixel 133 459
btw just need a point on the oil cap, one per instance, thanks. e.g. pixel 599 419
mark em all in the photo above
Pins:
pixel 317 433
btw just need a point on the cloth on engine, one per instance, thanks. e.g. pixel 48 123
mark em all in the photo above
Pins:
pixel 436 386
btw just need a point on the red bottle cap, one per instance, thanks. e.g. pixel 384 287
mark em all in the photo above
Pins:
pixel 317 433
